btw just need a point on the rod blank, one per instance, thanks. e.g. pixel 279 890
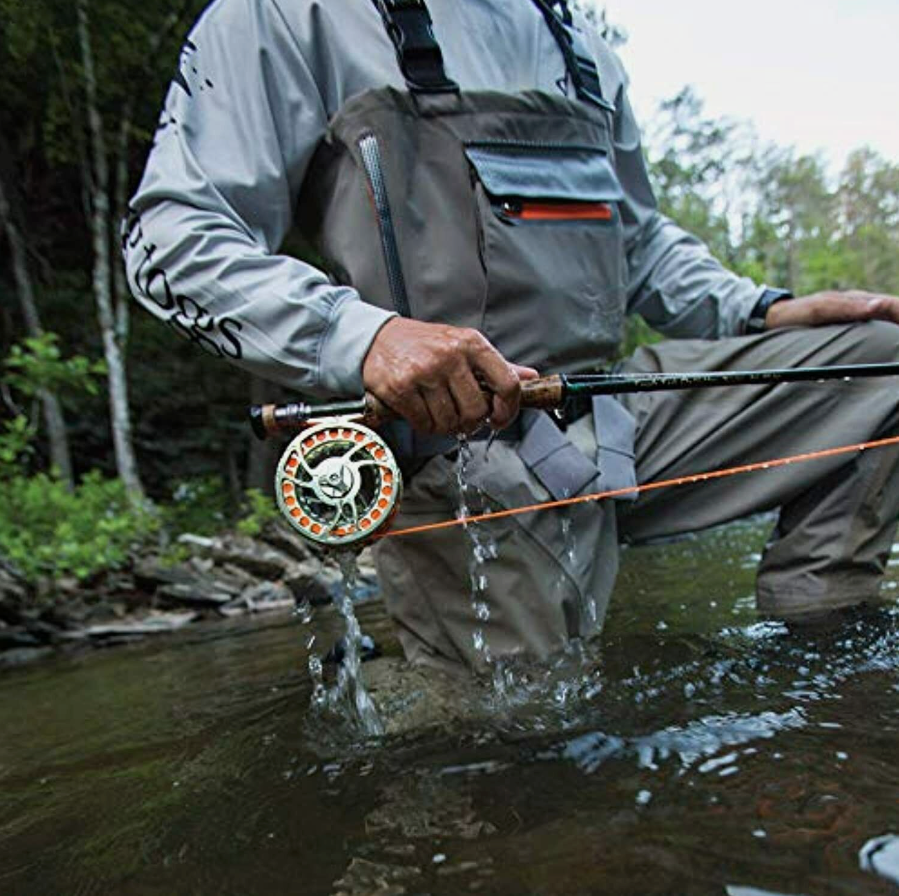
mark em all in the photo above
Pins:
pixel 553 391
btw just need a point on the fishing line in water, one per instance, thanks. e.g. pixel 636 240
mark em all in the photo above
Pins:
pixel 691 479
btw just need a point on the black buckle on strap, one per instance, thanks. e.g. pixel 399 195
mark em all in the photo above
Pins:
pixel 409 26
pixel 581 67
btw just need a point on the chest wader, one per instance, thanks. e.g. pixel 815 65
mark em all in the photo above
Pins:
pixel 494 211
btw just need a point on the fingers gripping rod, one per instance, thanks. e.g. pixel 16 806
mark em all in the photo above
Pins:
pixel 339 485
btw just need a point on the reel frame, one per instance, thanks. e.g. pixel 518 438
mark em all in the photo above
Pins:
pixel 338 484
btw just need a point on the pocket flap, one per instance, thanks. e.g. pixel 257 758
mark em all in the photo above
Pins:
pixel 561 468
pixel 615 434
pixel 577 174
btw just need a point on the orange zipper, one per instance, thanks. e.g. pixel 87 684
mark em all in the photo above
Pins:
pixel 557 211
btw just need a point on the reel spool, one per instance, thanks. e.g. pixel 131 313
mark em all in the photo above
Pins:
pixel 338 483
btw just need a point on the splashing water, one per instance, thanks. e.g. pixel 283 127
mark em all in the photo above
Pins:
pixel 349 696
pixel 589 612
pixel 568 560
pixel 350 690
pixel 483 549
pixel 303 612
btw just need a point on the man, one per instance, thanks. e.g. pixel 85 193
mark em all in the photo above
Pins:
pixel 478 192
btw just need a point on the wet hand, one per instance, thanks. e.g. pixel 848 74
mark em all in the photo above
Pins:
pixel 443 380
pixel 832 308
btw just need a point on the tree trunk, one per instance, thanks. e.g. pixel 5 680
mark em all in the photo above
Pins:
pixel 120 416
pixel 119 282
pixel 60 455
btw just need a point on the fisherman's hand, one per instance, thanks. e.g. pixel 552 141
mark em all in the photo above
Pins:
pixel 832 308
pixel 432 375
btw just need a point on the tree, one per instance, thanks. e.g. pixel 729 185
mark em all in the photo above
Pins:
pixel 10 222
pixel 86 118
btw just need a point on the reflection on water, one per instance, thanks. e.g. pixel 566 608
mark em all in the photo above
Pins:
pixel 712 754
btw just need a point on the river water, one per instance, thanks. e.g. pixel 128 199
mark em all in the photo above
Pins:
pixel 695 751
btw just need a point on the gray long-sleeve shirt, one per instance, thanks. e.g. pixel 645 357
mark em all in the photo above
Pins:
pixel 258 82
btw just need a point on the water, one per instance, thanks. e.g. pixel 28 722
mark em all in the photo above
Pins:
pixel 350 692
pixel 719 755
pixel 483 549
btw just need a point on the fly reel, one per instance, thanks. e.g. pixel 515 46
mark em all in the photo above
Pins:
pixel 338 483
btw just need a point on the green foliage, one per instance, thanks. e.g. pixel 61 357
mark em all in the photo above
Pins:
pixel 771 214
pixel 47 530
pixel 261 510
pixel 32 366
pixel 37 363
pixel 15 442
pixel 200 506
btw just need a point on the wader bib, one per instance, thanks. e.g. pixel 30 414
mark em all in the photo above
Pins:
pixel 477 209
pixel 498 212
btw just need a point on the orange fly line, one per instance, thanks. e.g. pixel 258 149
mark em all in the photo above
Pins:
pixel 647 487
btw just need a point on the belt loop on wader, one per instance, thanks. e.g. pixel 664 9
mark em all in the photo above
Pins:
pixel 580 65
pixel 409 26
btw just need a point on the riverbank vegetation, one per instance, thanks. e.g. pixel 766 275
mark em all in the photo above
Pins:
pixel 116 437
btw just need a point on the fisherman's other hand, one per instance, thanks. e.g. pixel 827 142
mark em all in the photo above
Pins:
pixel 832 308
pixel 432 375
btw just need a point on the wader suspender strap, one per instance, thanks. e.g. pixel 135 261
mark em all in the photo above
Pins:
pixel 581 67
pixel 408 24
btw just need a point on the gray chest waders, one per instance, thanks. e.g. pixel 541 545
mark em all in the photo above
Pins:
pixel 475 209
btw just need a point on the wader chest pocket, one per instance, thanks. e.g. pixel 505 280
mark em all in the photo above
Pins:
pixel 531 184
pixel 551 245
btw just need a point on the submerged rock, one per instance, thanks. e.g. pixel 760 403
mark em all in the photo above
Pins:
pixel 413 698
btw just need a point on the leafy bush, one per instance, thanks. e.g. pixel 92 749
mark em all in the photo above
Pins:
pixel 16 436
pixel 32 366
pixel 261 510
pixel 37 363
pixel 201 506
pixel 46 530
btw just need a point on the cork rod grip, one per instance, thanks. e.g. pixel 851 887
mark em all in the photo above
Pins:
pixel 274 420
pixel 546 393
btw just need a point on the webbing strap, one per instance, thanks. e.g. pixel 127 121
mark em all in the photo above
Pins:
pixel 580 65
pixel 409 27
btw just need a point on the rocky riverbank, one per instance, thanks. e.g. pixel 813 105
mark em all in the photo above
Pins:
pixel 215 578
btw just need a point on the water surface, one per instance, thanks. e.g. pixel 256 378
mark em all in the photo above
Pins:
pixel 697 750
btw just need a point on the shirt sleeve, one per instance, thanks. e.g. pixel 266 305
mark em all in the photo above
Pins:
pixel 674 281
pixel 241 121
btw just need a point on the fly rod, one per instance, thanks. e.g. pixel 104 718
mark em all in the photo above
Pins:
pixel 554 391
pixel 339 485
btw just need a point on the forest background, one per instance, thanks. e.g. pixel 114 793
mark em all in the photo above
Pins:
pixel 114 434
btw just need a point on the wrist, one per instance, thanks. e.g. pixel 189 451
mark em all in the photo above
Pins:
pixel 758 317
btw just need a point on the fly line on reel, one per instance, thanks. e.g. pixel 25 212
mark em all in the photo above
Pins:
pixel 338 483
